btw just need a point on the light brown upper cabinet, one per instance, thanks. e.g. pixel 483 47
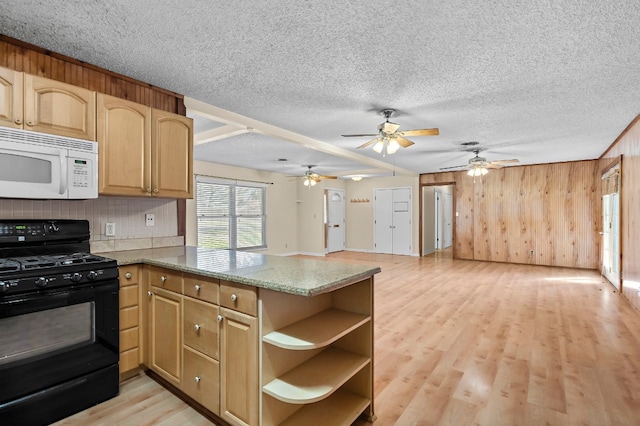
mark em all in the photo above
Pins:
pixel 11 97
pixel 143 151
pixel 43 105
pixel 172 155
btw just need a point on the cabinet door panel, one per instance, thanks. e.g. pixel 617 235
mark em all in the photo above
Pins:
pixel 59 108
pixel 238 368
pixel 11 96
pixel 124 138
pixel 172 137
pixel 166 346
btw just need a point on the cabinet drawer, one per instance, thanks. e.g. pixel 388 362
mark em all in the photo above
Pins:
pixel 128 339
pixel 203 288
pixel 201 379
pixel 128 296
pixel 128 317
pixel 166 279
pixel 238 297
pixel 128 275
pixel 200 324
pixel 129 360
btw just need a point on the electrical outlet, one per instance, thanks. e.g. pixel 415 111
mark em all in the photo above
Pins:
pixel 149 219
pixel 110 229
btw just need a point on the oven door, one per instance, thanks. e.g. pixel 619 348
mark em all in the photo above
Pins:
pixel 50 337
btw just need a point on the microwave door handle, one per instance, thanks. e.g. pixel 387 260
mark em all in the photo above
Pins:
pixel 63 172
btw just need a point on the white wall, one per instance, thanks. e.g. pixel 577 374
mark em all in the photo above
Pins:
pixel 282 235
pixel 359 220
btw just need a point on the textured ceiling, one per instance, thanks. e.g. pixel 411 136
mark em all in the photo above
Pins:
pixel 541 81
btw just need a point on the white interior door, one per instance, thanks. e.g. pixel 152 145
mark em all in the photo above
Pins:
pixel 392 221
pixel 402 221
pixel 383 221
pixel 335 220
pixel 448 220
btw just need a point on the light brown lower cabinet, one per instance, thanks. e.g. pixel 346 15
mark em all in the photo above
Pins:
pixel 238 368
pixel 165 327
pixel 201 379
pixel 129 321
pixel 207 337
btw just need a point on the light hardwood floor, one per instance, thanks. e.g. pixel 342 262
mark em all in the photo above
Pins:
pixel 473 343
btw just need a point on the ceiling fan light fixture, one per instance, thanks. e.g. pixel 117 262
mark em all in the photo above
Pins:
pixel 379 146
pixel 477 171
pixel 356 178
pixel 392 146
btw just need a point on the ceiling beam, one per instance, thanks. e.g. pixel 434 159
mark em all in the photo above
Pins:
pixel 228 117
pixel 218 133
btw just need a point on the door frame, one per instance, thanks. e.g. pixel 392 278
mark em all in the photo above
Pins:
pixel 453 218
pixel 612 169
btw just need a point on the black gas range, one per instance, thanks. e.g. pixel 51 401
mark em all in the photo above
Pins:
pixel 58 321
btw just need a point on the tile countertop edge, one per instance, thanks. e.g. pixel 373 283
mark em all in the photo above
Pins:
pixel 268 285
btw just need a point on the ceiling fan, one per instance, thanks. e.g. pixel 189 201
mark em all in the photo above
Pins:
pixel 311 178
pixel 478 166
pixel 389 139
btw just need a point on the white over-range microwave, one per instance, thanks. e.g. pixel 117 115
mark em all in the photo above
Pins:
pixel 43 166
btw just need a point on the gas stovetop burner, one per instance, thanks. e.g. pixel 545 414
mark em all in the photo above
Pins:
pixel 27 263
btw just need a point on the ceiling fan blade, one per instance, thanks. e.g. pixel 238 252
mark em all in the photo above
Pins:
pixel 492 166
pixel 453 167
pixel 405 143
pixel 363 134
pixel 389 127
pixel 421 132
pixel 505 161
pixel 328 177
pixel 366 144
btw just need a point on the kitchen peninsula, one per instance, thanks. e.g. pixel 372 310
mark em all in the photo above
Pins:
pixel 252 338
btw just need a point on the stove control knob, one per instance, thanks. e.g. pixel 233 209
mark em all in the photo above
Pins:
pixel 4 287
pixel 42 282
pixel 76 277
pixel 92 275
pixel 53 227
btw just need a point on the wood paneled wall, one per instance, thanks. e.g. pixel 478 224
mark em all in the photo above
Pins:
pixel 627 146
pixel 20 56
pixel 552 209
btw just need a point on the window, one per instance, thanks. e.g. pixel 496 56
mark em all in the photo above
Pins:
pixel 231 214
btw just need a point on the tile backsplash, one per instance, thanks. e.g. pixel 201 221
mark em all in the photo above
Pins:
pixel 127 213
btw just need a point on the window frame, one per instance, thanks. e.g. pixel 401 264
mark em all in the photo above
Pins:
pixel 231 213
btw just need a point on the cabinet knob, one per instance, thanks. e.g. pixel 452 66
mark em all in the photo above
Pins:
pixel 17 121
pixel 29 123
pixel 220 317
pixel 197 327
pixel 128 275
pixel 148 191
pixel 234 297
pixel 197 287
pixel 155 190
pixel 197 379
pixel 149 294
pixel 163 278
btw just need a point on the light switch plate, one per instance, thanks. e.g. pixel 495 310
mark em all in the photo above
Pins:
pixel 149 219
